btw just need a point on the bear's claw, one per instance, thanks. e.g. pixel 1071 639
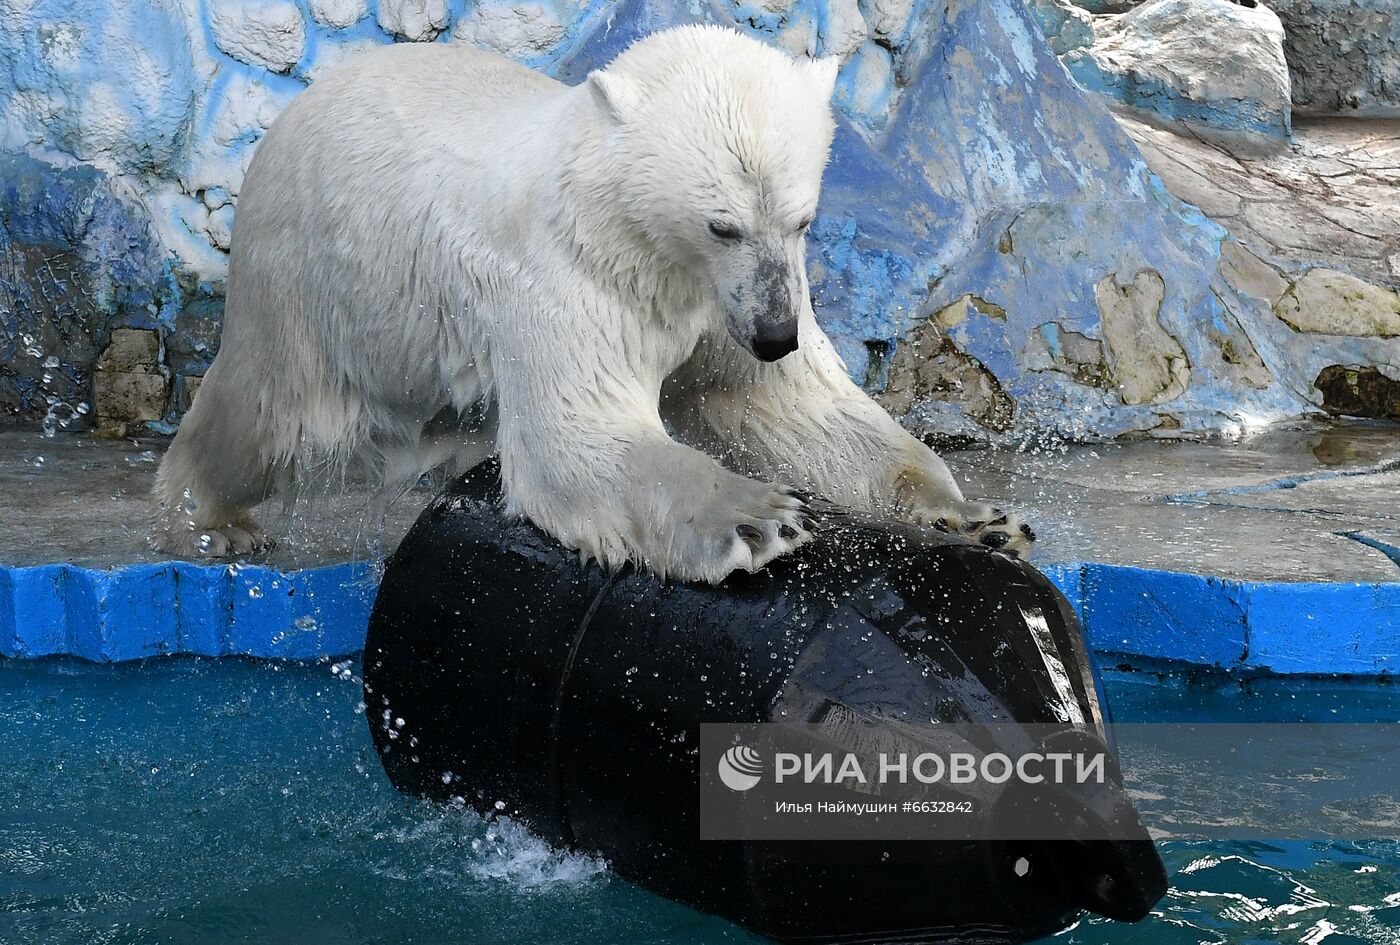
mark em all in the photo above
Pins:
pixel 750 534
pixel 773 521
pixel 984 524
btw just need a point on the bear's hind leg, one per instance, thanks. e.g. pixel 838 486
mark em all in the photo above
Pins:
pixel 214 472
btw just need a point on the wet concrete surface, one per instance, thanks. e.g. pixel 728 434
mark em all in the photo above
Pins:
pixel 1310 504
pixel 1306 504
pixel 86 501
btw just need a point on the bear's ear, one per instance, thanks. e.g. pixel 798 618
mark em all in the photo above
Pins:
pixel 823 75
pixel 615 93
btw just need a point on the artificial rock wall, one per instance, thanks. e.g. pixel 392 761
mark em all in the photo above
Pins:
pixel 992 257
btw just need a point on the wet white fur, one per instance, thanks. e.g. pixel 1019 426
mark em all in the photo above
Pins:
pixel 440 255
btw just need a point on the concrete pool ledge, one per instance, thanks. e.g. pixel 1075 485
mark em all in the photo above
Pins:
pixel 1277 553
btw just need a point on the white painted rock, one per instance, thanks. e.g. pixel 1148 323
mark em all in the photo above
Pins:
pixel 271 35
pixel 219 228
pixel 517 30
pixel 869 92
pixel 333 56
pixel 1211 63
pixel 415 20
pixel 121 95
pixel 339 14
pixel 799 37
pixel 844 29
pixel 245 108
pixel 888 19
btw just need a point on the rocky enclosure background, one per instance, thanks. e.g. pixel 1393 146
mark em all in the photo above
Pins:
pixel 992 257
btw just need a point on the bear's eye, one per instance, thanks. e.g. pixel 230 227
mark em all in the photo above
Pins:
pixel 804 224
pixel 725 230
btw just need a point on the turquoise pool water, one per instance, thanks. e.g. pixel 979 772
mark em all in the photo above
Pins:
pixel 224 801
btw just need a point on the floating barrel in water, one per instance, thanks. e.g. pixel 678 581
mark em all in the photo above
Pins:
pixel 499 669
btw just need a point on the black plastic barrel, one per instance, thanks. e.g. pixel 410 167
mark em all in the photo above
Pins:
pixel 500 669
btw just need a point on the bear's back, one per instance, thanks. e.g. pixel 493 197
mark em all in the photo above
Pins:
pixel 366 202
pixel 446 73
pixel 370 129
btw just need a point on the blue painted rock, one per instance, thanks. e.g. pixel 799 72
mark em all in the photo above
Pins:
pixel 991 255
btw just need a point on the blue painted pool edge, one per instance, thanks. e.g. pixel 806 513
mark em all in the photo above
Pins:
pixel 1128 614
pixel 1261 627
pixel 173 607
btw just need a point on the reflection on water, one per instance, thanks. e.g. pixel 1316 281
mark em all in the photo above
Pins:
pixel 189 801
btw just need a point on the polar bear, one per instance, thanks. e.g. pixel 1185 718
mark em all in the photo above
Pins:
pixel 440 256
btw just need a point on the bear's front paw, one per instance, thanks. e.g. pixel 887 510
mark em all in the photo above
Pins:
pixel 744 527
pixel 982 523
pixel 234 540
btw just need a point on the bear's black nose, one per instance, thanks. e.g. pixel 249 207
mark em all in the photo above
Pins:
pixel 773 347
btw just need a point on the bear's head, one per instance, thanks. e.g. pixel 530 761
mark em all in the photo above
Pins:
pixel 717 144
